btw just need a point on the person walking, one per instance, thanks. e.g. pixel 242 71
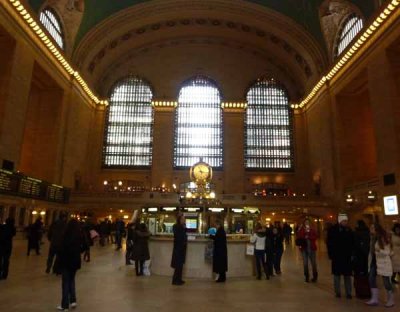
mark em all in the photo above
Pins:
pixel 277 249
pixel 179 249
pixel 130 228
pixel 340 243
pixel 70 263
pixel 7 233
pixel 119 233
pixel 140 249
pixel 258 239
pixel 287 232
pixel 34 235
pixel 55 236
pixel 306 238
pixel 381 264
pixel 220 253
pixel 396 252
pixel 360 261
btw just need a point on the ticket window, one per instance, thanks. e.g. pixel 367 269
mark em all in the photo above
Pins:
pixel 192 224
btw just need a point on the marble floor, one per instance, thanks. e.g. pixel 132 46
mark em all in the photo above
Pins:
pixel 106 284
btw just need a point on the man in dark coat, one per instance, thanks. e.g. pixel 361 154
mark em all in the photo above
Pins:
pixel 119 232
pixel 179 250
pixel 362 240
pixel 340 243
pixel 220 254
pixel 55 235
pixel 34 235
pixel 70 262
pixel 7 232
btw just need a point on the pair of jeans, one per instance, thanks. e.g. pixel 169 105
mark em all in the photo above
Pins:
pixel 309 255
pixel 50 258
pixel 139 267
pixel 277 260
pixel 118 240
pixel 372 278
pixel 68 288
pixel 177 278
pixel 260 262
pixel 347 284
pixel 4 264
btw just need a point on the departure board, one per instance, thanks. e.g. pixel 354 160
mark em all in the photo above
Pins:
pixel 29 187
pixel 5 181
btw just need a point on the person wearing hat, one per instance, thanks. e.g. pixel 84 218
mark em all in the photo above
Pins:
pixel 340 243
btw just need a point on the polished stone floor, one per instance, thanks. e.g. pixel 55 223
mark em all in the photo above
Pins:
pixel 106 284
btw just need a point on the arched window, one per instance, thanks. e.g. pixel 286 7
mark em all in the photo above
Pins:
pixel 129 124
pixel 198 124
pixel 351 27
pixel 51 22
pixel 268 143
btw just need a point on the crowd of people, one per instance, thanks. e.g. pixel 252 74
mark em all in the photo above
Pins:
pixel 362 254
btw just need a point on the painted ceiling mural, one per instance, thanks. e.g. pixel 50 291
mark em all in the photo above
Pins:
pixel 304 12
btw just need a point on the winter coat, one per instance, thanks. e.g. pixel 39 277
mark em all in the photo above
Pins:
pixel 277 242
pixel 383 260
pixel 56 233
pixel 71 248
pixel 220 253
pixel 361 251
pixel 396 253
pixel 140 248
pixel 310 237
pixel 35 232
pixel 7 232
pixel 180 244
pixel 340 243
pixel 258 239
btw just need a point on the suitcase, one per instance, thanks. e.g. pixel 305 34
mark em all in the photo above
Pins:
pixel 361 286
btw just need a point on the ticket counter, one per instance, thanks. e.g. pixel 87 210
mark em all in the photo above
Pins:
pixel 197 266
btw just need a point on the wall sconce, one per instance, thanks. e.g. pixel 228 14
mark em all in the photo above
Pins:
pixel 371 196
pixel 349 199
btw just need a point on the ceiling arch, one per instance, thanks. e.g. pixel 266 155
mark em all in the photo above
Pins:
pixel 282 41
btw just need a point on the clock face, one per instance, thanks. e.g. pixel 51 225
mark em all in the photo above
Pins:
pixel 202 172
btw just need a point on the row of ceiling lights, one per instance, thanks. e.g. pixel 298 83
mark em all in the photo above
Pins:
pixel 363 39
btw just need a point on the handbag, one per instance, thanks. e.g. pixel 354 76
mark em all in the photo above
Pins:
pixel 93 234
pixel 250 249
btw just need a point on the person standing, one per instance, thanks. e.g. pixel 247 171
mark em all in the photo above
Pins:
pixel 140 249
pixel 258 239
pixel 396 252
pixel 340 243
pixel 55 236
pixel 7 233
pixel 70 263
pixel 119 232
pixel 130 228
pixel 277 249
pixel 287 232
pixel 179 249
pixel 360 263
pixel 306 238
pixel 34 235
pixel 220 253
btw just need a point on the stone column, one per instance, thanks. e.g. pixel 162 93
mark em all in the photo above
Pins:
pixel 234 173
pixel 163 147
pixel 385 99
pixel 15 104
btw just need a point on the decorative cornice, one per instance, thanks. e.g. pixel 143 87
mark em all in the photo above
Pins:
pixel 363 41
pixel 24 18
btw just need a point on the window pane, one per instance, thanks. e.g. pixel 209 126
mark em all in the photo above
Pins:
pixel 51 22
pixel 268 143
pixel 128 138
pixel 351 28
pixel 198 124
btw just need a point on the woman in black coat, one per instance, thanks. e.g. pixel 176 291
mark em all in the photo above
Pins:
pixel 70 262
pixel 7 233
pixel 179 250
pixel 140 248
pixel 220 254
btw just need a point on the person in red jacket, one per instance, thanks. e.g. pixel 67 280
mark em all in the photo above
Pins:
pixel 306 240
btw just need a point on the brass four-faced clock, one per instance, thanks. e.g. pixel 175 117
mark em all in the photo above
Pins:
pixel 201 172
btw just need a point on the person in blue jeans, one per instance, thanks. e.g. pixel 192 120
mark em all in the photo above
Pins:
pixel 258 239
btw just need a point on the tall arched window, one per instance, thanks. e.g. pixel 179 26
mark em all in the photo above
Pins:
pixel 129 124
pixel 51 22
pixel 198 124
pixel 351 27
pixel 268 144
